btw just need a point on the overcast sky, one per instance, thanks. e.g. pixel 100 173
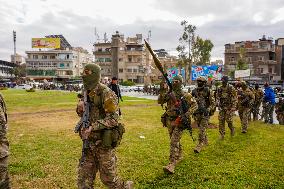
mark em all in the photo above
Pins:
pixel 221 21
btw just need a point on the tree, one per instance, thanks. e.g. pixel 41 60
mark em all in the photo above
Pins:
pixel 186 41
pixel 201 51
pixel 242 63
pixel 19 71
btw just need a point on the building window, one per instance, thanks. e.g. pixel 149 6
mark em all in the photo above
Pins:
pixel 232 59
pixel 261 58
pixel 67 56
pixel 44 57
pixel 129 70
pixel 249 59
pixel 120 70
pixel 35 56
pixel 270 70
pixel 135 70
pixel 261 70
pixel 107 60
pixel 129 59
pixel 52 57
pixel 100 50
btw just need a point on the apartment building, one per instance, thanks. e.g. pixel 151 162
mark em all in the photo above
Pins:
pixel 260 56
pixel 125 58
pixel 6 69
pixel 280 56
pixel 63 63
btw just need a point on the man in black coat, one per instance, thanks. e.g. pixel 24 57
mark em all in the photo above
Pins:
pixel 115 88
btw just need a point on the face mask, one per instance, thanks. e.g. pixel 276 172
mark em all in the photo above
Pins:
pixel 176 86
pixel 90 81
pixel 200 84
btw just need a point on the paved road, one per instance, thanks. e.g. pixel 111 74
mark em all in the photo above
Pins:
pixel 152 97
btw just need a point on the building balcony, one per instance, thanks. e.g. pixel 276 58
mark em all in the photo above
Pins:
pixel 101 52
pixel 265 62
pixel 134 52
pixel 250 50
pixel 48 60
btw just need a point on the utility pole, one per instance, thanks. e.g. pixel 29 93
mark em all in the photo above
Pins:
pixel 14 38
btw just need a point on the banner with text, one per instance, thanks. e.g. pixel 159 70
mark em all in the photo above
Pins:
pixel 46 43
pixel 210 72
pixel 242 73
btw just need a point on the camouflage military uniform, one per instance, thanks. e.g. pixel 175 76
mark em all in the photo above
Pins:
pixel 279 109
pixel 245 100
pixel 227 104
pixel 170 119
pixel 258 93
pixel 4 148
pixel 206 107
pixel 99 157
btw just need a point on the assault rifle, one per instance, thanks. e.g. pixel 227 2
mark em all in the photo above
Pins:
pixel 183 106
pixel 84 123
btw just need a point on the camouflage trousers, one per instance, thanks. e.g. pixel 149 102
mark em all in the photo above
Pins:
pixel 102 160
pixel 202 122
pixel 225 115
pixel 4 147
pixel 268 113
pixel 244 113
pixel 255 111
pixel 175 133
pixel 280 117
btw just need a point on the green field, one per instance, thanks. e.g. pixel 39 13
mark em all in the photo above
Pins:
pixel 45 150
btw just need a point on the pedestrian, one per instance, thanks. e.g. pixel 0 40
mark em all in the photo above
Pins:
pixel 206 108
pixel 227 104
pixel 103 134
pixel 172 118
pixel 113 85
pixel 269 99
pixel 279 109
pixel 4 146
pixel 245 102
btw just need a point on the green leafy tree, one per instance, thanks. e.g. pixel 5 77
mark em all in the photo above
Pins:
pixel 186 41
pixel 201 51
pixel 242 63
pixel 19 71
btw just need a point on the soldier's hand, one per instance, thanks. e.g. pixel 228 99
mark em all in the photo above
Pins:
pixel 80 108
pixel 85 133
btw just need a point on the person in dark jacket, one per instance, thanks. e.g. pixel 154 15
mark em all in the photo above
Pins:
pixel 269 100
pixel 115 88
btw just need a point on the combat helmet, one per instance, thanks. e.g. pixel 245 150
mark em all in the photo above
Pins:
pixel 91 76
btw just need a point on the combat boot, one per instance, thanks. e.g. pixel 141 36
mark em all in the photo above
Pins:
pixel 129 184
pixel 198 148
pixel 170 169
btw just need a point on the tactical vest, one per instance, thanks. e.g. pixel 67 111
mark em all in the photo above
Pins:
pixel 225 95
pixel 202 96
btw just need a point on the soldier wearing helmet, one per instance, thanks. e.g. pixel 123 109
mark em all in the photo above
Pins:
pixel 205 108
pixel 245 101
pixel 99 155
pixel 227 105
pixel 172 118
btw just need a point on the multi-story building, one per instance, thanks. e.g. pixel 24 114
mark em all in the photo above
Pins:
pixel 18 59
pixel 61 64
pixel 260 56
pixel 123 58
pixel 6 69
pixel 280 55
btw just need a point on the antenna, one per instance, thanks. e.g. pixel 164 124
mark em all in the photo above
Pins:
pixel 149 36
pixel 105 37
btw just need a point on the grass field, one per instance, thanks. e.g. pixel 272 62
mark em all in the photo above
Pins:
pixel 45 150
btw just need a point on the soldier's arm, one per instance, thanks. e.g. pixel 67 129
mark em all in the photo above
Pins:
pixel 192 104
pixel 110 106
pixel 3 115
pixel 234 98
pixel 212 101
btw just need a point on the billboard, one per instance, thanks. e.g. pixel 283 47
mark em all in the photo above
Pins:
pixel 242 73
pixel 46 43
pixel 172 72
pixel 210 72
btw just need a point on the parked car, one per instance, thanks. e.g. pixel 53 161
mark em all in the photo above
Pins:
pixel 23 86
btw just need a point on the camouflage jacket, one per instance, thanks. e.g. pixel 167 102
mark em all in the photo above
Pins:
pixel 245 98
pixel 4 145
pixel 103 110
pixel 172 100
pixel 258 93
pixel 205 99
pixel 226 97
pixel 279 107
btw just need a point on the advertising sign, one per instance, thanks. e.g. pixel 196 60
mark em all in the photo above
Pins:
pixel 172 72
pixel 242 73
pixel 210 72
pixel 46 43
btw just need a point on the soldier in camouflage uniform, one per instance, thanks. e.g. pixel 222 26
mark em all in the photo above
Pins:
pixel 4 147
pixel 100 156
pixel 206 107
pixel 258 93
pixel 279 109
pixel 171 119
pixel 245 100
pixel 227 104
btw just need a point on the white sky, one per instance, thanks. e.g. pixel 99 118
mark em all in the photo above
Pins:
pixel 221 21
